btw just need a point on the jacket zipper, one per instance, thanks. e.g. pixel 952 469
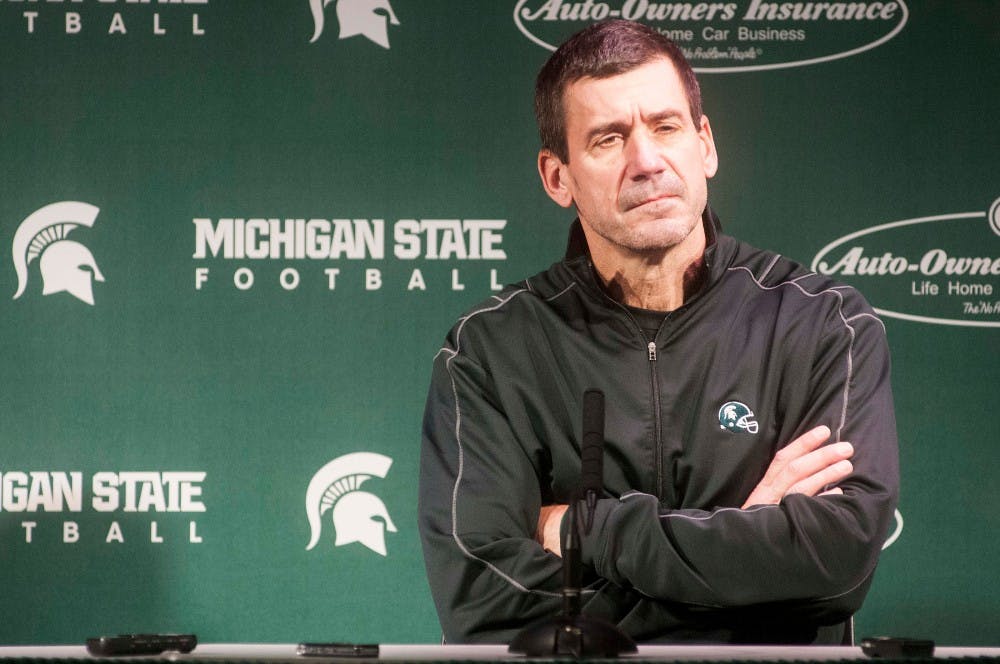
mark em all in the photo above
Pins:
pixel 657 434
pixel 651 354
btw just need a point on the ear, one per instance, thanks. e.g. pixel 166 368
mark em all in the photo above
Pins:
pixel 709 156
pixel 555 178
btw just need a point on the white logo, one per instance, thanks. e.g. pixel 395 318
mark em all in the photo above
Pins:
pixel 358 516
pixel 357 17
pixel 940 269
pixel 62 262
pixel 286 251
pixel 994 215
pixel 896 531
pixel 160 494
pixel 733 36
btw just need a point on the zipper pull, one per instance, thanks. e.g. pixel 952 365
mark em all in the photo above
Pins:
pixel 652 351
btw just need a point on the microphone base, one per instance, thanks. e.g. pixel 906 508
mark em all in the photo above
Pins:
pixel 577 636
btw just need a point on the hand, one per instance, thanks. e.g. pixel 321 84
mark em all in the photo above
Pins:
pixel 549 526
pixel 800 467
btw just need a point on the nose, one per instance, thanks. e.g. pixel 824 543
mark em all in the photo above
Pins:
pixel 643 156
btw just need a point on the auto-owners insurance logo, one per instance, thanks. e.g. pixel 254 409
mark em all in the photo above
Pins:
pixel 736 36
pixel 942 269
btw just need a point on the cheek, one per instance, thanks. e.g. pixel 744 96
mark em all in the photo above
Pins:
pixel 695 167
pixel 595 188
pixel 698 187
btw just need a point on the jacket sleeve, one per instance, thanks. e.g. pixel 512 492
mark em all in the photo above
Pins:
pixel 818 551
pixel 479 504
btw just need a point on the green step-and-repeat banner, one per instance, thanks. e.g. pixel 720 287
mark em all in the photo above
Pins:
pixel 236 231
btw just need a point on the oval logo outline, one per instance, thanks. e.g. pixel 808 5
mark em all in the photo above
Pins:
pixel 738 69
pixel 971 216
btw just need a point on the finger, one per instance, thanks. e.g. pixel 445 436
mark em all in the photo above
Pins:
pixel 808 441
pixel 802 445
pixel 544 516
pixel 835 491
pixel 812 463
pixel 813 484
pixel 808 474
pixel 549 525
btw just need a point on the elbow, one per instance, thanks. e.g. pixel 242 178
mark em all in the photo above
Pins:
pixel 836 608
pixel 852 572
pixel 844 550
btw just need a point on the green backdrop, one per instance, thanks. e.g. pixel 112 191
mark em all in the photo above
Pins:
pixel 416 119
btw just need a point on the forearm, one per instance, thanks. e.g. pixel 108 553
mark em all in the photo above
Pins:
pixel 803 549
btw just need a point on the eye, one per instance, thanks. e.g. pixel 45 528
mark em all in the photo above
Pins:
pixel 609 141
pixel 666 128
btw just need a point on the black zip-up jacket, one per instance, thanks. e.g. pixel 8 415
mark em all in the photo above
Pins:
pixel 765 351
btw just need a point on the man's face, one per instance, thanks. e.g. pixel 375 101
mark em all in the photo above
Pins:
pixel 638 163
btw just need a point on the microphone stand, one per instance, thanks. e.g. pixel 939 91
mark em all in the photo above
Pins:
pixel 572 633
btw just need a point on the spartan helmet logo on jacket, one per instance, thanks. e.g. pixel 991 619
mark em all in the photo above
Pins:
pixel 737 417
pixel 357 17
pixel 358 516
pixel 65 265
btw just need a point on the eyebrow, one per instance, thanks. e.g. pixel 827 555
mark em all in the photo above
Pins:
pixel 623 127
pixel 607 128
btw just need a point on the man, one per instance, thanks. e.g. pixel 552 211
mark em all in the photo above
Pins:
pixel 736 510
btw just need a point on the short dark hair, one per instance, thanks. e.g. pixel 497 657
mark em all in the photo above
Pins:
pixel 602 50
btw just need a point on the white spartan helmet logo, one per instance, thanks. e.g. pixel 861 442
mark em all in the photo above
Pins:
pixel 62 262
pixel 358 516
pixel 357 17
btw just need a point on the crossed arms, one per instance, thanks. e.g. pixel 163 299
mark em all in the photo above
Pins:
pixel 499 453
pixel 801 467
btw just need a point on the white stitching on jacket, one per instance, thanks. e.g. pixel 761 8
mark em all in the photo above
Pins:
pixel 840 312
pixel 461 456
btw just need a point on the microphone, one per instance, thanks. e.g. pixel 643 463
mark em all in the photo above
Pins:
pixel 572 633
pixel 592 452
pixel 591 487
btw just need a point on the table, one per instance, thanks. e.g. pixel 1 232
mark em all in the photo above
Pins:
pixel 285 653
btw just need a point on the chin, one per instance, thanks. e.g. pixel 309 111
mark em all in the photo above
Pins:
pixel 643 233
pixel 657 234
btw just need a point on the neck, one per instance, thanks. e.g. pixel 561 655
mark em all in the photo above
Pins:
pixel 660 280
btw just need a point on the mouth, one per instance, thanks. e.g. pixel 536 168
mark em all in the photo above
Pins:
pixel 659 198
